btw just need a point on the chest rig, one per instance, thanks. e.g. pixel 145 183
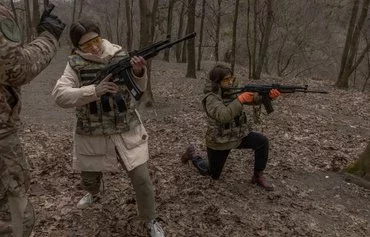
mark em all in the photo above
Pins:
pixel 111 114
pixel 226 132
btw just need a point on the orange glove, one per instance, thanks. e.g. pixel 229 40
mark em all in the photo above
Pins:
pixel 246 97
pixel 274 93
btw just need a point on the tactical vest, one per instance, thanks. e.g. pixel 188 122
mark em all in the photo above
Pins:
pixel 111 114
pixel 230 132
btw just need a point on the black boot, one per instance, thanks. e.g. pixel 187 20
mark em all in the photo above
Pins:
pixel 200 164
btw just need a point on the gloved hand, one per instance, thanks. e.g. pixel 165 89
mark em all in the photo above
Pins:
pixel 246 97
pixel 274 93
pixel 50 23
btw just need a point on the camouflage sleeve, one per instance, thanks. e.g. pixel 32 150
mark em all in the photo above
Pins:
pixel 21 64
pixel 217 110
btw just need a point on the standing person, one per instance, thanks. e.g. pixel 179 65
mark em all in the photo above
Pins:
pixel 108 129
pixel 19 64
pixel 228 128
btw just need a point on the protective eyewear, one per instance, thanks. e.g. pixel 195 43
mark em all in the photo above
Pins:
pixel 229 79
pixel 90 43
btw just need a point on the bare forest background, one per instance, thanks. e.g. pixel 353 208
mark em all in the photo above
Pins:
pixel 318 39
pixel 291 38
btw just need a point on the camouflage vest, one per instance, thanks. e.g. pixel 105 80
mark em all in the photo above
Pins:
pixel 222 133
pixel 111 114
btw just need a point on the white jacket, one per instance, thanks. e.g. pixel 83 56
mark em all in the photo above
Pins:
pixel 98 153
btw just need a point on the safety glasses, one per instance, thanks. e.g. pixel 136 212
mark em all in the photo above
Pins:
pixel 228 80
pixel 96 41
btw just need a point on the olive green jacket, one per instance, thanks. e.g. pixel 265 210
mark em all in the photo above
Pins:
pixel 227 122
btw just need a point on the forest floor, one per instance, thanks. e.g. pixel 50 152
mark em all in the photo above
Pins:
pixel 312 137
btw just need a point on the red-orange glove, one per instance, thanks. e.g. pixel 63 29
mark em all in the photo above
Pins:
pixel 274 93
pixel 246 97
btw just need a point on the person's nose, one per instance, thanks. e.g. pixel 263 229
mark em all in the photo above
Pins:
pixel 95 48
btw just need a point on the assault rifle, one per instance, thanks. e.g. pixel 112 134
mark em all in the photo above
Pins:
pixel 264 91
pixel 120 70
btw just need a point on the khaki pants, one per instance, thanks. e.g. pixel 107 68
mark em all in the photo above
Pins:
pixel 15 209
pixel 141 183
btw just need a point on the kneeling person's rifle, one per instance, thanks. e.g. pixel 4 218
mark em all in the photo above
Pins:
pixel 121 70
pixel 264 91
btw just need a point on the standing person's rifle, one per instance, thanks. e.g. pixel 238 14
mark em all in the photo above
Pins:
pixel 264 91
pixel 121 70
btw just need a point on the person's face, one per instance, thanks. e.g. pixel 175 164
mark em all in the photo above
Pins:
pixel 227 81
pixel 91 43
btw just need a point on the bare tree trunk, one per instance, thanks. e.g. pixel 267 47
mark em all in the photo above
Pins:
pixel 118 32
pixel 154 18
pixel 28 21
pixel 74 11
pixel 265 41
pixel 146 38
pixel 254 42
pixel 201 34
pixel 233 46
pixel 191 72
pixel 35 13
pixel 368 72
pixel 248 40
pixel 129 24
pixel 171 4
pixel 348 63
pixel 80 10
pixel 108 24
pixel 218 27
pixel 184 55
pixel 14 11
pixel 179 33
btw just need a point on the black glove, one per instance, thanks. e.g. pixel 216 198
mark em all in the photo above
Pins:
pixel 50 23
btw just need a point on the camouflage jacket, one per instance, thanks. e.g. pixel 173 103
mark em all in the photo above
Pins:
pixel 227 122
pixel 19 64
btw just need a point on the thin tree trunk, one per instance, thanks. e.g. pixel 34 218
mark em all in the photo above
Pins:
pixel 80 10
pixel 233 46
pixel 201 34
pixel 154 19
pixel 129 24
pixel 265 41
pixel 35 13
pixel 179 33
pixel 14 11
pixel 171 4
pixel 248 41
pixel 191 72
pixel 254 42
pixel 352 41
pixel 74 11
pixel 28 21
pixel 146 29
pixel 184 55
pixel 350 30
pixel 118 32
pixel 218 27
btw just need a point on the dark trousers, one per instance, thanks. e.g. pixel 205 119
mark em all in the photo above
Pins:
pixel 256 141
